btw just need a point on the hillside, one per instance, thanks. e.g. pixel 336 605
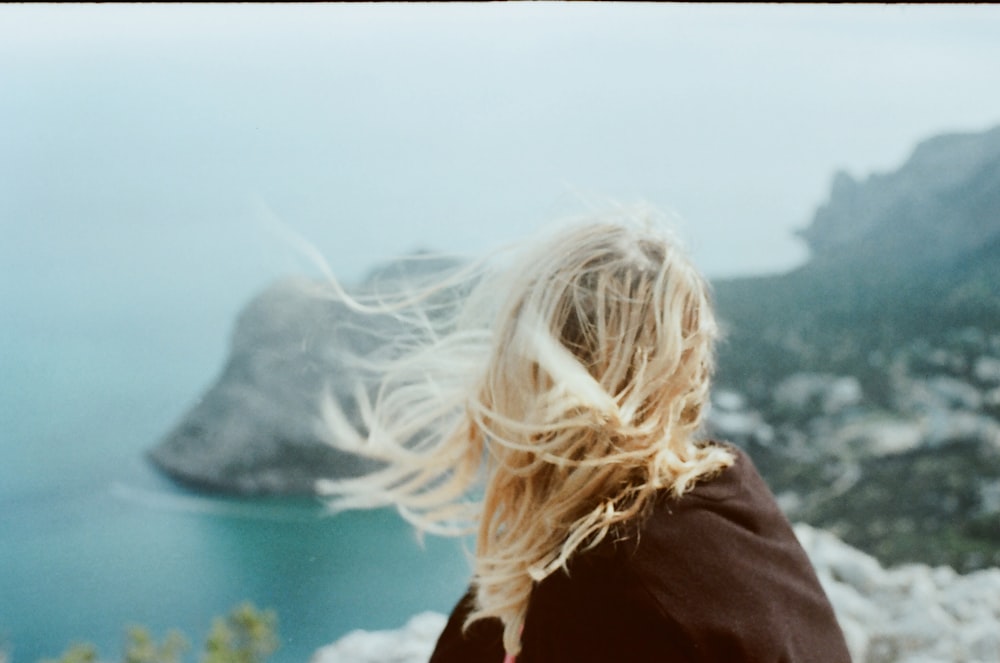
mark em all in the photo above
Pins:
pixel 898 309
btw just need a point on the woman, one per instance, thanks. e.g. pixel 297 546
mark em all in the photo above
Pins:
pixel 570 387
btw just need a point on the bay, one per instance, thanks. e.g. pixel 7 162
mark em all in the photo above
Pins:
pixel 82 564
pixel 92 539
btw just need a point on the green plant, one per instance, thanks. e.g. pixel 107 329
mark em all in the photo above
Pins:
pixel 245 635
pixel 78 653
pixel 140 647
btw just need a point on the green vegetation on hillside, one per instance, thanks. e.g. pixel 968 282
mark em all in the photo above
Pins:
pixel 846 318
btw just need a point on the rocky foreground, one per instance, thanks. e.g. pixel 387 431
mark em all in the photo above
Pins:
pixel 905 614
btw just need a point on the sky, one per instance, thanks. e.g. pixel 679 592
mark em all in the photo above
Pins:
pixel 187 142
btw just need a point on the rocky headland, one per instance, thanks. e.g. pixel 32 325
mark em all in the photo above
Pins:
pixel 253 431
pixel 257 430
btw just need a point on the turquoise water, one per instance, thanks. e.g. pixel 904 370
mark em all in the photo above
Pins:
pixel 94 370
pixel 82 564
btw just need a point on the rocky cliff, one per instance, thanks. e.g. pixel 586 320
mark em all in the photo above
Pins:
pixel 257 429
pixel 933 209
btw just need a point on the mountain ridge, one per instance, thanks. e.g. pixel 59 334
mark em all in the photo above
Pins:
pixel 900 301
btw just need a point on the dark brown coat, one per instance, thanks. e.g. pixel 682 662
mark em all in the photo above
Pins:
pixel 717 575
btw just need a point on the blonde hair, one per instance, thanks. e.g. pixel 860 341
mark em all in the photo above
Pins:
pixel 569 385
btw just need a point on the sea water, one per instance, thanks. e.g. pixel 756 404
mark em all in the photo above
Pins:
pixel 83 564
pixel 94 369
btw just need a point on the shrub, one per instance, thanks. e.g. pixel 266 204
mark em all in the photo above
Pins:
pixel 245 635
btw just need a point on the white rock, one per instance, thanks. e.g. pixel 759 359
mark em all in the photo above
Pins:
pixel 943 576
pixel 725 399
pixel 905 614
pixel 832 393
pixel 735 424
pixel 942 426
pixel 987 369
pixel 856 635
pixel 989 496
pixel 788 501
pixel 981 641
pixel 992 397
pixel 953 393
pixel 947 360
pixel 850 604
pixel 843 563
pixel 843 392
pixel 411 644
pixel 880 435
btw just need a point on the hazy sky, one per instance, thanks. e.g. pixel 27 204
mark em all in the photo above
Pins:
pixel 141 139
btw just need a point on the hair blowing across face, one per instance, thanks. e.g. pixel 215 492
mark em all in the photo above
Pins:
pixel 570 385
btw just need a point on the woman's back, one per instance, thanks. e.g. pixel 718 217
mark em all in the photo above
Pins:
pixel 716 575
